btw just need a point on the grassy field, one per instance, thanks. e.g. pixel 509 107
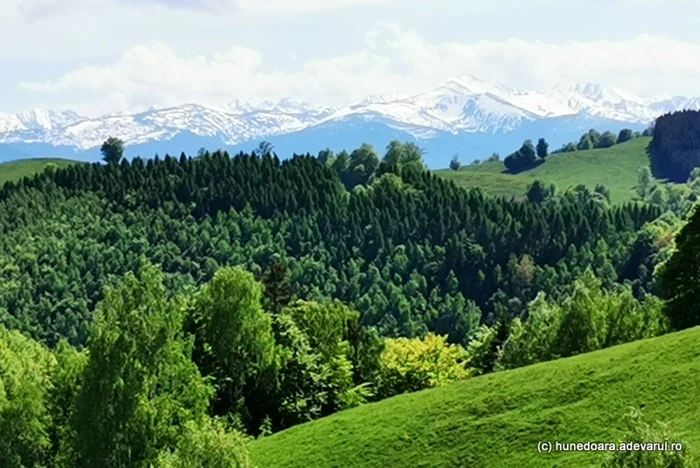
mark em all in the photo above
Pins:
pixel 615 167
pixel 15 170
pixel 498 419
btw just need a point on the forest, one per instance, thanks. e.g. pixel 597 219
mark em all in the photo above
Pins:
pixel 674 150
pixel 161 312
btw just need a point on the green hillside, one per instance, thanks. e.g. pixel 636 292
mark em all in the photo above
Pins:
pixel 614 167
pixel 498 419
pixel 15 170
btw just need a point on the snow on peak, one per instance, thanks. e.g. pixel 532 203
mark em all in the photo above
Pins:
pixel 462 104
pixel 380 99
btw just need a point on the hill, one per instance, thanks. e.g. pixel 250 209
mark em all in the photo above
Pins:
pixel 13 171
pixel 498 419
pixel 614 167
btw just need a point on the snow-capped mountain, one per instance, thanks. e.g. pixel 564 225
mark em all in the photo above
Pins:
pixel 465 109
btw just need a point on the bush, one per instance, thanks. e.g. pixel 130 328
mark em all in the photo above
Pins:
pixel 409 365
pixel 640 431
pixel 208 443
pixel 24 419
pixel 625 135
pixel 606 140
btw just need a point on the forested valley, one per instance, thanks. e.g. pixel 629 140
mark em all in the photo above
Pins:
pixel 161 312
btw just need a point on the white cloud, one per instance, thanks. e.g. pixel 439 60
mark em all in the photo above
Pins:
pixel 275 6
pixel 393 60
pixel 41 9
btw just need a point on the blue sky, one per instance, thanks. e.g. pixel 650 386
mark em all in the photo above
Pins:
pixel 98 56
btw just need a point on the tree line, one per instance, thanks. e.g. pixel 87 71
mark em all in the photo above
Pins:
pixel 194 302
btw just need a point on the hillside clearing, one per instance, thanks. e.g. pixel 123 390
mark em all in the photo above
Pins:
pixel 614 167
pixel 497 420
pixel 15 170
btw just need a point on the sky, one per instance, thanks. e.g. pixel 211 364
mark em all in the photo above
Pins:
pixel 106 56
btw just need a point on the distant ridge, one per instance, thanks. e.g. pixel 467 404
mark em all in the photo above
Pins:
pixel 465 113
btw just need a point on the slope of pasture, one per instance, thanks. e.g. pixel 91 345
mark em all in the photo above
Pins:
pixel 15 170
pixel 497 420
pixel 614 167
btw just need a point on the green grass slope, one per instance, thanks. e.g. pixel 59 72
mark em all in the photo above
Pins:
pixel 614 167
pixel 15 170
pixel 498 419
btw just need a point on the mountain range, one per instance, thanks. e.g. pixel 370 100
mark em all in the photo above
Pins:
pixel 466 115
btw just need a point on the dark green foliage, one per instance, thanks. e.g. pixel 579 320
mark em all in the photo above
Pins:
pixel 326 157
pixel 454 163
pixel 139 382
pixel 542 148
pixel 264 148
pixel 603 191
pixel 585 143
pixel 539 192
pixel 594 140
pixel 606 140
pixel 112 150
pixel 387 248
pixel 234 341
pixel 625 135
pixel 361 166
pixel 675 149
pixel 278 291
pixel 524 158
pixel 679 277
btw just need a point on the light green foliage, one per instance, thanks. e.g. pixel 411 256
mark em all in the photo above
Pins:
pixel 481 351
pixel 15 170
pixel 590 319
pixel 234 342
pixel 139 383
pixel 409 365
pixel 326 362
pixel 25 422
pixel 405 154
pixel 644 181
pixel 676 198
pixel 533 340
pixel 496 421
pixel 583 322
pixel 66 381
pixel 209 444
pixel 302 378
pixel 325 328
pixel 325 324
pixel 642 432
